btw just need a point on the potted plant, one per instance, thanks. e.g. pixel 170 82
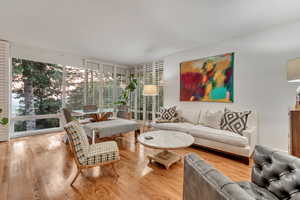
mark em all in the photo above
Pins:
pixel 3 120
pixel 123 102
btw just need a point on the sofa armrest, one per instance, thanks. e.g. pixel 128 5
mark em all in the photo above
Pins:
pixel 251 135
pixel 202 181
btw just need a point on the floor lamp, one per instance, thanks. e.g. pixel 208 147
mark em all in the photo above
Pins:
pixel 149 91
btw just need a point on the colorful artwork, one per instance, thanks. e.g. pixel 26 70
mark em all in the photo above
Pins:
pixel 207 79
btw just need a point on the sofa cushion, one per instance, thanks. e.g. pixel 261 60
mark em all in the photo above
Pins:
pixel 217 135
pixel 257 192
pixel 191 116
pixel 182 126
pixel 212 119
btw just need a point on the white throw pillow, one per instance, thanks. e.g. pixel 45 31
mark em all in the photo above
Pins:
pixel 212 119
pixel 191 116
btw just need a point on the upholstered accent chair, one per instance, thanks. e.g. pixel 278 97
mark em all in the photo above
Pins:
pixel 275 175
pixel 67 115
pixel 68 118
pixel 86 155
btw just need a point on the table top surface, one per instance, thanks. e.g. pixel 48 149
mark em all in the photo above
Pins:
pixel 113 122
pixel 99 110
pixel 166 139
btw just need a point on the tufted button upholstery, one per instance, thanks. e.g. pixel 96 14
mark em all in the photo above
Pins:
pixel 276 171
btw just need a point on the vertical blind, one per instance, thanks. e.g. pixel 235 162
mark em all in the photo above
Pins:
pixel 4 86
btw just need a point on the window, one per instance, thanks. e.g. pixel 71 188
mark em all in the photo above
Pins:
pixel 75 83
pixel 36 90
pixel 38 124
pixel 147 107
pixel 108 86
pixel 92 87
pixel 159 69
pixel 40 90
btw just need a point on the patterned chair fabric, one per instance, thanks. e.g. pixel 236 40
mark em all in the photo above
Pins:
pixel 87 154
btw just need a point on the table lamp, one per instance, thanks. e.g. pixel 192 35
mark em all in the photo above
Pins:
pixel 293 75
pixel 150 90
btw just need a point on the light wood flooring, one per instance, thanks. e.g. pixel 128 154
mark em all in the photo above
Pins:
pixel 41 167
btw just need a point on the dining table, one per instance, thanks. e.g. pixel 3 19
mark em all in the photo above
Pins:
pixel 111 127
pixel 82 112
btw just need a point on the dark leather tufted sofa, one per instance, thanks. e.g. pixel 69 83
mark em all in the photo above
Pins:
pixel 275 175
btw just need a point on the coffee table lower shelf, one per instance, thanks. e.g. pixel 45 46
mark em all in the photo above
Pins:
pixel 166 158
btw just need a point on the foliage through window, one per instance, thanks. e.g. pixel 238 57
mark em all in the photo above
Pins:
pixel 75 83
pixel 36 90
pixel 39 90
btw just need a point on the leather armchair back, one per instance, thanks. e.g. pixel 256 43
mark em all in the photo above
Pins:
pixel 277 171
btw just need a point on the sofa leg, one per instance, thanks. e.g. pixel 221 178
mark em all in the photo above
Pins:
pixel 136 135
pixel 246 160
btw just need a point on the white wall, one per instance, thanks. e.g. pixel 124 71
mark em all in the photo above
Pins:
pixel 259 78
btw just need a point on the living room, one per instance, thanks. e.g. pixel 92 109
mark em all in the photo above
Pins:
pixel 149 100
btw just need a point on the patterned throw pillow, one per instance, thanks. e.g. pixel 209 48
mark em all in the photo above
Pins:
pixel 168 113
pixel 235 121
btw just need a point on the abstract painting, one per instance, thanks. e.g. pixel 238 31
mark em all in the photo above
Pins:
pixel 207 79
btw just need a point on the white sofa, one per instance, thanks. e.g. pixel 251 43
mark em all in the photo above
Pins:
pixel 221 140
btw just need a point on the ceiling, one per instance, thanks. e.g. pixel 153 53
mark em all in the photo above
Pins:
pixel 136 31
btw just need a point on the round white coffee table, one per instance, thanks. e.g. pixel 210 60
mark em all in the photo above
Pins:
pixel 165 140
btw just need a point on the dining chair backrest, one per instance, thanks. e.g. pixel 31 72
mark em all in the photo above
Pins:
pixel 88 108
pixel 124 115
pixel 67 114
pixel 78 141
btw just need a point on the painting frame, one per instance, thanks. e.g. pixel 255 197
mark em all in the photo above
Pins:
pixel 208 79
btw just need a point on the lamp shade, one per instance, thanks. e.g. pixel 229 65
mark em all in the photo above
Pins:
pixel 293 70
pixel 150 90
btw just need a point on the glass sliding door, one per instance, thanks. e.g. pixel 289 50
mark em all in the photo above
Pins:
pixel 142 106
pixel 40 90
pixel 108 87
pixel 121 82
pixel 92 87
pixel 74 87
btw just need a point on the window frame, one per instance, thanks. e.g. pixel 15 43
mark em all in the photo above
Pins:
pixel 138 72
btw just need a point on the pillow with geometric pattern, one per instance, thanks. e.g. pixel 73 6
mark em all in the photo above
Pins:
pixel 234 121
pixel 168 113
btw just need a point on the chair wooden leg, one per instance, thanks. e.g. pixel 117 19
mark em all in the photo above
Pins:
pixel 114 170
pixel 78 172
pixel 136 134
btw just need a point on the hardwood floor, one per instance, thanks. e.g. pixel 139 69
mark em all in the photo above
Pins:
pixel 41 167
